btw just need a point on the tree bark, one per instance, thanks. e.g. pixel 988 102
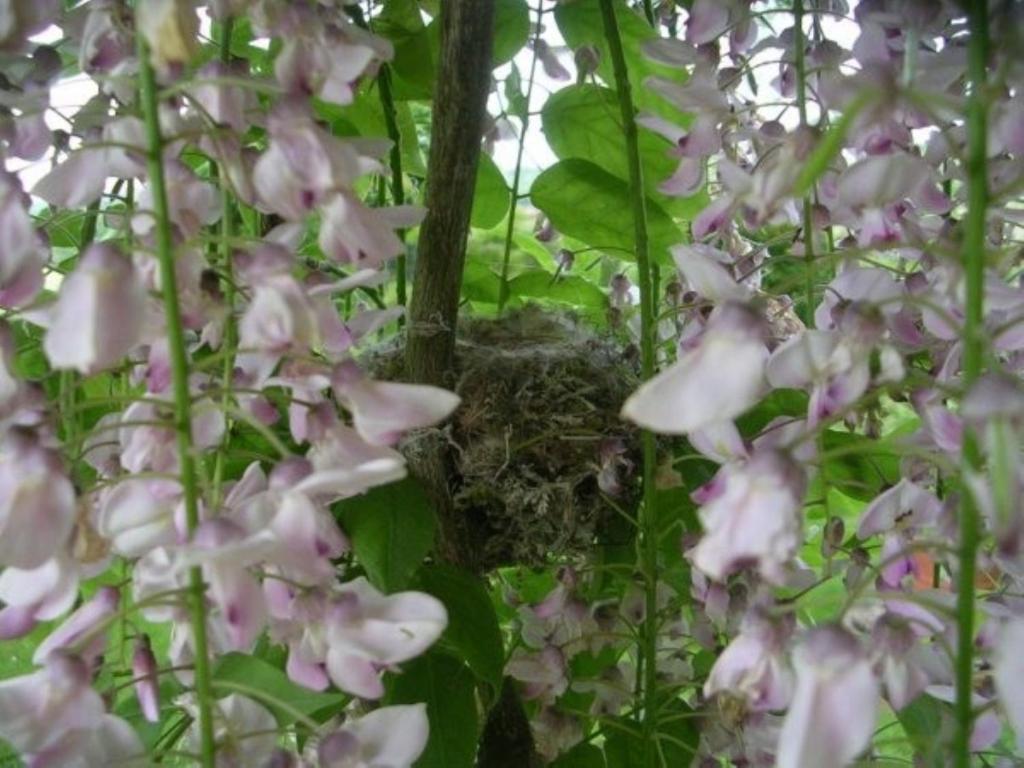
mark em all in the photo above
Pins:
pixel 460 101
pixel 460 105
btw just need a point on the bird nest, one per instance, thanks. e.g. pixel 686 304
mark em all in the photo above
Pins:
pixel 538 425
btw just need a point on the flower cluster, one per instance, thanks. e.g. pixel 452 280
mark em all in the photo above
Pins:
pixel 876 228
pixel 199 344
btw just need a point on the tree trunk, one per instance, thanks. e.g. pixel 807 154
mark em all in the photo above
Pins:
pixel 460 104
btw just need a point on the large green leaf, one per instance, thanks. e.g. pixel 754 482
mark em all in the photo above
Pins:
pixel 415 64
pixel 491 196
pixel 584 121
pixel 586 202
pixel 259 680
pixel 581 756
pixel 580 24
pixel 417 52
pixel 448 688
pixel 365 117
pixel 391 529
pixel 511 29
pixel 565 289
pixel 473 632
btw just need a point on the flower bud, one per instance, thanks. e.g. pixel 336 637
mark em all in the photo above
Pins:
pixel 587 58
pixel 171 30
pixel 144 671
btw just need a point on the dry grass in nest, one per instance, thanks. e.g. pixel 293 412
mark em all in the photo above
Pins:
pixel 540 393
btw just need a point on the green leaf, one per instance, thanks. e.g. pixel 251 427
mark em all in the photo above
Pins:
pixel 927 722
pixel 480 283
pixel 473 632
pixel 417 52
pixel 391 529
pixel 398 20
pixel 64 227
pixel 511 29
pixel 581 756
pixel 491 196
pixel 365 117
pixel 586 202
pixel 859 466
pixel 515 99
pixel 584 121
pixel 678 736
pixel 270 686
pixel 448 688
pixel 415 64
pixel 580 24
pixel 565 289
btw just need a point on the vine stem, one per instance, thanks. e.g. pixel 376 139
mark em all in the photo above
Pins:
pixel 510 230
pixel 649 520
pixel 973 359
pixel 799 45
pixel 229 342
pixel 179 383
pixel 387 103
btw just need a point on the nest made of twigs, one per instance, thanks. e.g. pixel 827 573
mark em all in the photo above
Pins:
pixel 541 396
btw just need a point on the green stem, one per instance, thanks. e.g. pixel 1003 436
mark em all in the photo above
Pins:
pixel 513 204
pixel 973 360
pixel 799 44
pixel 649 13
pixel 229 342
pixel 387 102
pixel 649 521
pixel 179 378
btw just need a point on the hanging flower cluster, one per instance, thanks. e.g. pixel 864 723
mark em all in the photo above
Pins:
pixel 214 563
pixel 874 197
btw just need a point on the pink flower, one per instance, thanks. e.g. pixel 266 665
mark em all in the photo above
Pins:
pixel 81 178
pixel 833 366
pixel 279 318
pixel 304 164
pixel 714 381
pixel 329 62
pixel 37 710
pixel 753 666
pixel 37 502
pixel 112 742
pixel 754 520
pixel 544 673
pixel 382 411
pixel 147 688
pixel 24 253
pixel 707 272
pixel 85 624
pixel 355 234
pixel 835 704
pixel 194 203
pixel 390 736
pixel 906 503
pixel 369 631
pixel 1008 671
pixel 137 516
pixel 708 20
pixel 38 594
pixel 98 315
pixel 226 552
